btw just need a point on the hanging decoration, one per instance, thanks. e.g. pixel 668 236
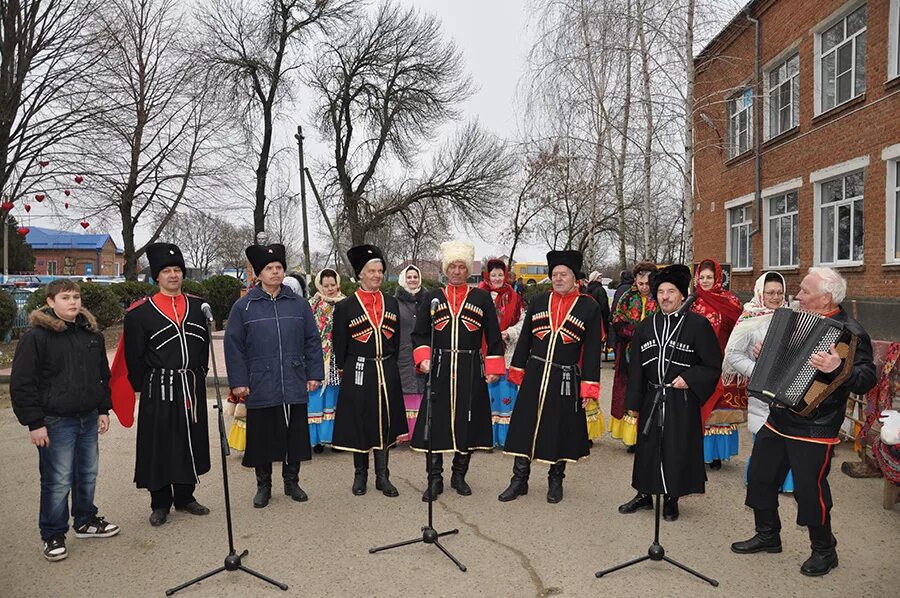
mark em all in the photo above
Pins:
pixel 67 192
pixel 23 230
pixel 79 179
pixel 39 197
pixel 84 224
pixel 7 206
pixel 27 207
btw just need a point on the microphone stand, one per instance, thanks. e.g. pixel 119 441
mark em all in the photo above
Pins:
pixel 429 534
pixel 233 560
pixel 656 552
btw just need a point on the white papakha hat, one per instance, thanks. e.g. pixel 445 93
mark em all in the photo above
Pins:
pixel 457 251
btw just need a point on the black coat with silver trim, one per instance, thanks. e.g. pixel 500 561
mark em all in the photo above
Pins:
pixel 167 364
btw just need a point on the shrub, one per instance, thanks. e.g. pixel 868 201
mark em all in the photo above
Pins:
pixel 130 291
pixel 534 290
pixel 98 299
pixel 221 292
pixel 8 311
pixel 193 287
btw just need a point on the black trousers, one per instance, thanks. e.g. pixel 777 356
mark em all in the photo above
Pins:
pixel 177 494
pixel 773 455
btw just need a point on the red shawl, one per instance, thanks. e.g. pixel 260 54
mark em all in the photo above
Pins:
pixel 508 302
pixel 722 308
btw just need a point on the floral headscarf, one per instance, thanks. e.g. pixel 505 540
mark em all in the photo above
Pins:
pixel 323 314
pixel 722 308
pixel 754 316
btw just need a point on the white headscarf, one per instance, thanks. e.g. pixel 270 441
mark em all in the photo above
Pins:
pixel 754 316
pixel 401 280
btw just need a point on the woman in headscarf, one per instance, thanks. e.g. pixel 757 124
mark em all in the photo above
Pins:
pixel 633 306
pixel 323 401
pixel 727 407
pixel 409 295
pixel 740 353
pixel 509 314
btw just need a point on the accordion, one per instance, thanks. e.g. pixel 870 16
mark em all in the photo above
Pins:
pixel 783 376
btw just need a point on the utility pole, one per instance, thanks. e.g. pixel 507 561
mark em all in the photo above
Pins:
pixel 334 238
pixel 307 263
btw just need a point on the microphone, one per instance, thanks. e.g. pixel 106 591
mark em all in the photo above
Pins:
pixel 207 311
pixel 687 303
pixel 434 305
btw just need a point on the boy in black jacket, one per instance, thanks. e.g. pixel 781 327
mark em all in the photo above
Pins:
pixel 60 390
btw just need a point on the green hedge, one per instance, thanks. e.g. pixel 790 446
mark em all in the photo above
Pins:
pixel 534 290
pixel 221 292
pixel 130 291
pixel 8 311
pixel 100 300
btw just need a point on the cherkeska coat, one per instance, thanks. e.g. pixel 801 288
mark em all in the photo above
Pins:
pixel 467 346
pixel 697 358
pixel 556 363
pixel 370 412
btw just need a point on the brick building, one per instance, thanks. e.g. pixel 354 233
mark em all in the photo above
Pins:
pixel 63 253
pixel 797 141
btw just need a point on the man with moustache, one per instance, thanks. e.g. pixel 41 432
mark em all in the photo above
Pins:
pixel 687 342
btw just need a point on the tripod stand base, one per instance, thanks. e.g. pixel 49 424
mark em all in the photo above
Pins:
pixel 429 536
pixel 657 553
pixel 232 563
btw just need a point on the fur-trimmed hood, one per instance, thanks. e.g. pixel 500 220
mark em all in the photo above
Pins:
pixel 46 318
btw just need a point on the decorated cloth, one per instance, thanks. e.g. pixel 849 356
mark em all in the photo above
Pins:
pixel 728 405
pixel 556 365
pixel 323 401
pixel 879 400
pixel 409 300
pixel 467 346
pixel 506 301
pixel 630 310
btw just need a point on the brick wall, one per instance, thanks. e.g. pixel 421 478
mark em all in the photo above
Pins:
pixel 71 262
pixel 862 127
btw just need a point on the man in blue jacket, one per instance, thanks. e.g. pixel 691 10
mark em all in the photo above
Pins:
pixel 273 354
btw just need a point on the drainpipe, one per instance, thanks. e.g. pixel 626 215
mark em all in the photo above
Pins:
pixel 757 125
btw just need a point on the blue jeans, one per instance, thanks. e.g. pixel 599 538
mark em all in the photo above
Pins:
pixel 70 463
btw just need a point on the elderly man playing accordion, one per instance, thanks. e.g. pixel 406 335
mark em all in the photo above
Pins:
pixel 805 444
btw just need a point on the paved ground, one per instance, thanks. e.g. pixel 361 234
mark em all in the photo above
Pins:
pixel 524 548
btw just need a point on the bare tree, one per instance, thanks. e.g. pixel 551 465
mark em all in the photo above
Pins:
pixel 156 138
pixel 530 204
pixel 198 235
pixel 256 46
pixel 385 86
pixel 233 241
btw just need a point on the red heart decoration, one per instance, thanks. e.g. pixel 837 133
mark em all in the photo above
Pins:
pixel 27 208
pixel 44 163
pixel 67 205
pixel 78 179
pixel 67 192
pixel 7 205
pixel 39 197
pixel 84 224
pixel 23 230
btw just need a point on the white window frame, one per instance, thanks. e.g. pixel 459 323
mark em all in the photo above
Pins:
pixel 893 69
pixel 55 267
pixel 733 150
pixel 740 202
pixel 767 100
pixel 791 186
pixel 826 175
pixel 838 15
pixel 891 157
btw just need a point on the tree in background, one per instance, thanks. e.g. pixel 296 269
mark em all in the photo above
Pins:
pixel 386 85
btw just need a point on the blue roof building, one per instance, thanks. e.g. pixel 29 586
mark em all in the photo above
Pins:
pixel 64 253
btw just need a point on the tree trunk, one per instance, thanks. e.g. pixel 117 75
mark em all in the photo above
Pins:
pixel 688 181
pixel 648 134
pixel 620 178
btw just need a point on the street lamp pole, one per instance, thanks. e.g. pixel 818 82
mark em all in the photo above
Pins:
pixel 307 264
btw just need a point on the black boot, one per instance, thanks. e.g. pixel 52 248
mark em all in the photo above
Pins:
pixel 824 556
pixel 554 482
pixel 768 534
pixel 290 473
pixel 383 475
pixel 670 508
pixel 360 473
pixel 518 485
pixel 458 479
pixel 435 471
pixel 640 501
pixel 263 486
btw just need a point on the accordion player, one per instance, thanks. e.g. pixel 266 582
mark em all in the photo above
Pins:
pixel 783 376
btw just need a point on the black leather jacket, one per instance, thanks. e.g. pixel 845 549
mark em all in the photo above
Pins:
pixel 825 421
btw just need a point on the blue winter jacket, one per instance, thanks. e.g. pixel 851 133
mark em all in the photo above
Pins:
pixel 273 347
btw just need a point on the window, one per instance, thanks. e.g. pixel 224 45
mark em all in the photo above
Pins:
pixel 895 193
pixel 51 267
pixel 841 219
pixel 842 62
pixel 892 224
pixel 740 219
pixel 740 123
pixel 783 97
pixel 783 231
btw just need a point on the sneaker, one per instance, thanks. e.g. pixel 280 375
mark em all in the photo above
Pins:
pixel 98 527
pixel 55 548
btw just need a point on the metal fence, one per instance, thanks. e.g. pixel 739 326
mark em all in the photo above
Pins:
pixel 20 324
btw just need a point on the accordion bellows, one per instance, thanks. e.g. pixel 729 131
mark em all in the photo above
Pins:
pixel 783 376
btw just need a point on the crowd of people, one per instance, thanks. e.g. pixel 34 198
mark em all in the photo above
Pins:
pixel 352 372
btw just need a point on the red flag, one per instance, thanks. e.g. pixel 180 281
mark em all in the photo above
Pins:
pixel 122 392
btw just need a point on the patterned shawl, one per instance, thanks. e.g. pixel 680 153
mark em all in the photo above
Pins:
pixel 722 308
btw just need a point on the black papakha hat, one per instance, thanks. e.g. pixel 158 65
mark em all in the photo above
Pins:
pixel 361 255
pixel 573 260
pixel 163 255
pixel 261 256
pixel 676 274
